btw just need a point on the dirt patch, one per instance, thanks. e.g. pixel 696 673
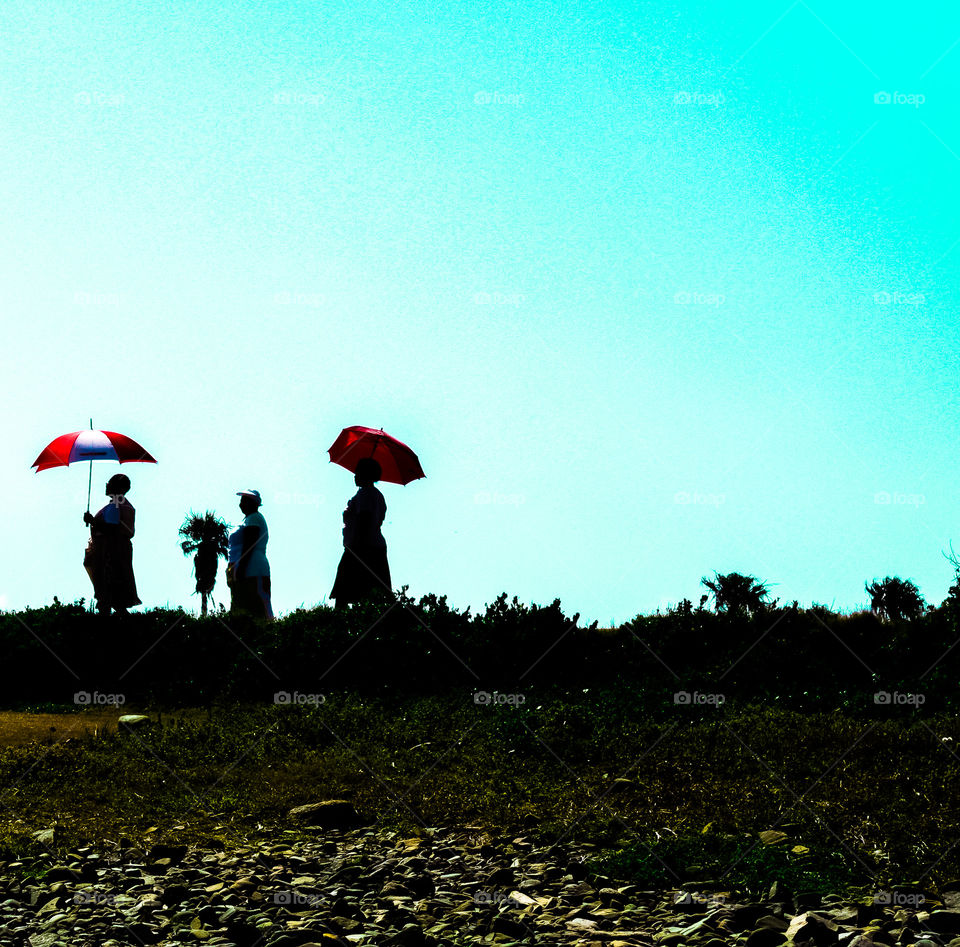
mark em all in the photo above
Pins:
pixel 18 729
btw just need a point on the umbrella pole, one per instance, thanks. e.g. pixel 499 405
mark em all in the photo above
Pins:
pixel 90 475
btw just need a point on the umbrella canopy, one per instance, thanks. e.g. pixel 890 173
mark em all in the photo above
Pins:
pixel 91 445
pixel 398 462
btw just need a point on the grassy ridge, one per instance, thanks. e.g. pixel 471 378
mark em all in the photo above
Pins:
pixel 870 801
pixel 790 657
pixel 674 738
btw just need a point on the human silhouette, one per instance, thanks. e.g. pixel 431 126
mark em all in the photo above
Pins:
pixel 109 555
pixel 248 572
pixel 363 566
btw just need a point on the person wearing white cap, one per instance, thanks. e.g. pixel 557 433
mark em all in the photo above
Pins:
pixel 248 572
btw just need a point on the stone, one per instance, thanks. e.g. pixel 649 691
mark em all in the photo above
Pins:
pixel 772 837
pixel 943 922
pixel 766 937
pixel 504 924
pixel 411 935
pixel 811 927
pixel 175 853
pixel 43 940
pixel 500 876
pixel 62 873
pixel 771 922
pixel 779 892
pixel 364 886
pixel 174 894
pixel 744 917
pixel 806 901
pixel 330 814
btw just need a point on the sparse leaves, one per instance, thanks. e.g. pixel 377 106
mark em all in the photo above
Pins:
pixel 736 594
pixel 895 599
pixel 206 537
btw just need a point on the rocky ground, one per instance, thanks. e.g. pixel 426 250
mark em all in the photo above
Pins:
pixel 318 885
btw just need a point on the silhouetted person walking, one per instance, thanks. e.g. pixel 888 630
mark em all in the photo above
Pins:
pixel 363 566
pixel 109 556
pixel 248 572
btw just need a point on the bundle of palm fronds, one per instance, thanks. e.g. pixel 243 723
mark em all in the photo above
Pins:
pixel 206 538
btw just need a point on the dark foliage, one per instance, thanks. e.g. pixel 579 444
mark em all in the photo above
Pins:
pixel 788 657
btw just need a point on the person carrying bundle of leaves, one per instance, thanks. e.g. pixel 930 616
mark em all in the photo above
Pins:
pixel 206 537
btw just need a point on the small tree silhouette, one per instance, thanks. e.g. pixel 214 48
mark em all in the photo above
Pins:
pixel 894 598
pixel 736 594
pixel 953 594
pixel 206 537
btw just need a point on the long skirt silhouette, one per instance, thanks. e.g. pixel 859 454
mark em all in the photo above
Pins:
pixel 109 557
pixel 363 570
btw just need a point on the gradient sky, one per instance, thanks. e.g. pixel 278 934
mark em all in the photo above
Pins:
pixel 652 291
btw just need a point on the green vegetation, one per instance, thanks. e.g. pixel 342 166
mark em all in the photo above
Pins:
pixel 865 802
pixel 738 594
pixel 205 538
pixel 672 741
pixel 802 659
pixel 895 599
pixel 743 863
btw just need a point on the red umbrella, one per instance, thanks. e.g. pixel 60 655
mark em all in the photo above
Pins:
pixel 398 462
pixel 91 445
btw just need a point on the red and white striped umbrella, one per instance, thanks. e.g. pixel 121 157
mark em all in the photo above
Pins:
pixel 91 445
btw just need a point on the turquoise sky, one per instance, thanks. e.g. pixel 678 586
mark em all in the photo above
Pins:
pixel 653 291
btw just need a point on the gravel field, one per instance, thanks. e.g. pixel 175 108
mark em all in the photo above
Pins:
pixel 444 886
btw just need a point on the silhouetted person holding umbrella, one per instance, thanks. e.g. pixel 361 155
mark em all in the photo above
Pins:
pixel 109 556
pixel 363 566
